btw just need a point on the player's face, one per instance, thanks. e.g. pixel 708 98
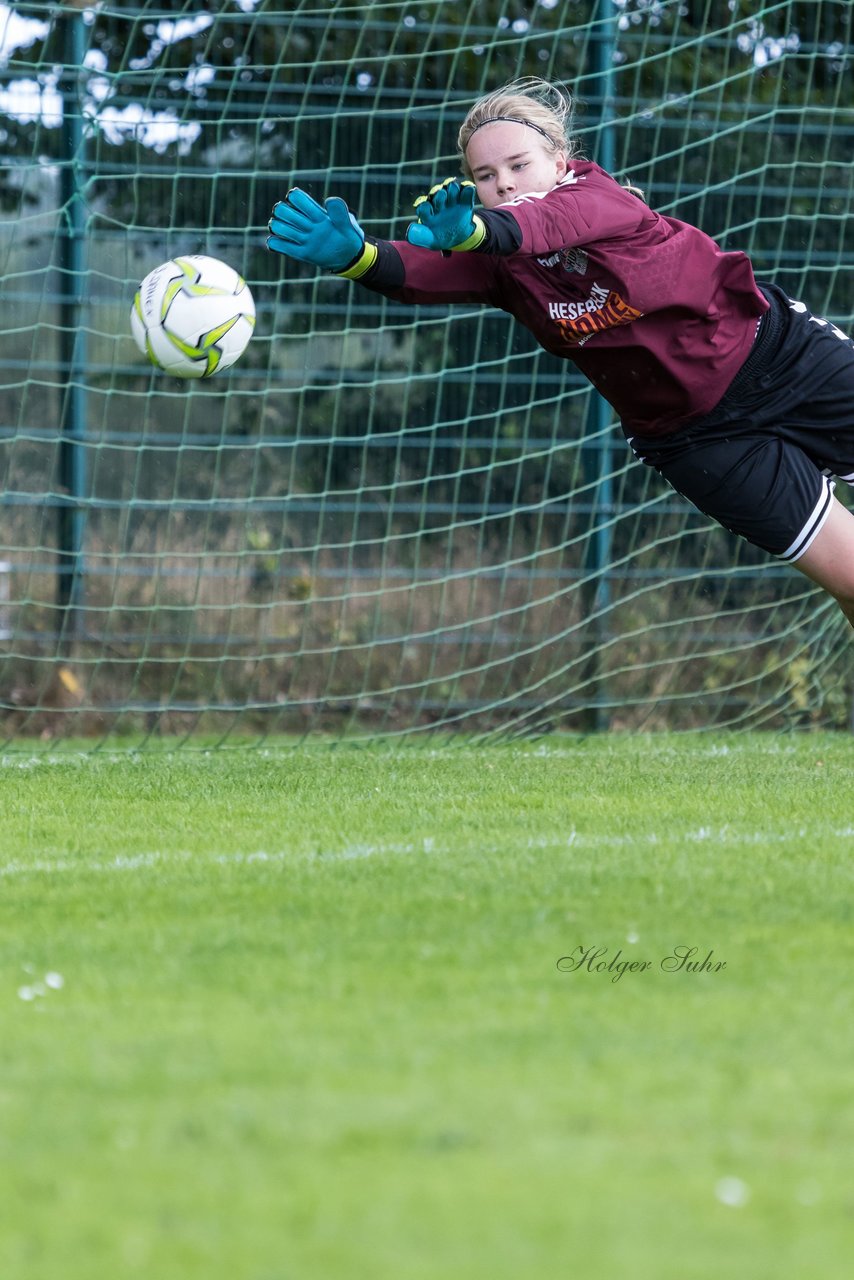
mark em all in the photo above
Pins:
pixel 508 159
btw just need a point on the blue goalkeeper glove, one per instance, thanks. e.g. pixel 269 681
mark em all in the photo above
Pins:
pixel 446 218
pixel 327 237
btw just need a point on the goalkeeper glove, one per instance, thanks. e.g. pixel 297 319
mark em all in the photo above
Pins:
pixel 446 218
pixel 326 236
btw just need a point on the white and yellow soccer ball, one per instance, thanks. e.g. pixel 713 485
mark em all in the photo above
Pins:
pixel 193 316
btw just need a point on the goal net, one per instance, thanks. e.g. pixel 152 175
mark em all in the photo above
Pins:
pixel 381 521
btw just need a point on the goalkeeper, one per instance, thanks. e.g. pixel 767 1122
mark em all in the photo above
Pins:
pixel 734 393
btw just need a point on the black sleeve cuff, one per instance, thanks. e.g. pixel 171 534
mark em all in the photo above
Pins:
pixel 503 233
pixel 378 265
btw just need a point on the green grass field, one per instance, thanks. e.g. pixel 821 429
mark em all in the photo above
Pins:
pixel 311 1014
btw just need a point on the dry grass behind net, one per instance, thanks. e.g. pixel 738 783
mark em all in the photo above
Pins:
pixel 467 634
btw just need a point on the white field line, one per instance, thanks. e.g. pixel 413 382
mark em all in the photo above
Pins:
pixel 531 751
pixel 724 836
pixel 160 858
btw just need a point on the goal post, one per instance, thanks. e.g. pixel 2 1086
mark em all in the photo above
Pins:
pixel 382 521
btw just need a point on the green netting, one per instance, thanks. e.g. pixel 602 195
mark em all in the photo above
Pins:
pixel 382 520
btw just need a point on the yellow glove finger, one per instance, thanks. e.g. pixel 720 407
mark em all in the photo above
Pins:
pixel 437 186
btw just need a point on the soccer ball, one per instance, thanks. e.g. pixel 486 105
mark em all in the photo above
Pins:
pixel 192 316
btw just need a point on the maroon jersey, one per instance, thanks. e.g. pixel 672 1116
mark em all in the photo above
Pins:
pixel 651 310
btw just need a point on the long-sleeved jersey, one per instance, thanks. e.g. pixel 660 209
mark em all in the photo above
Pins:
pixel 651 310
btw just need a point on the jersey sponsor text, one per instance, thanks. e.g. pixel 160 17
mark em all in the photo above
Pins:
pixel 603 309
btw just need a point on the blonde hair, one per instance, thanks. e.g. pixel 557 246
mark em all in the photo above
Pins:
pixel 530 101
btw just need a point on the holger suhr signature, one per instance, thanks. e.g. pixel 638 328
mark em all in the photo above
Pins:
pixel 682 959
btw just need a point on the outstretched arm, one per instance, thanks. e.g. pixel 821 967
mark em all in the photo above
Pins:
pixel 328 236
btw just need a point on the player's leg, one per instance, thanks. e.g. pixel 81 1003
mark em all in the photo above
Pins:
pixel 829 561
pixel 767 490
pixel 759 462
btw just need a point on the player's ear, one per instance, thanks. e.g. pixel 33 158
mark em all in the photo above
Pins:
pixel 561 165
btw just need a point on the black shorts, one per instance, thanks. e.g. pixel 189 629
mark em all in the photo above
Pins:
pixel 759 462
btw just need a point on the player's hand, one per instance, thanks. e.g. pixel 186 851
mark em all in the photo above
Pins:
pixel 446 217
pixel 327 236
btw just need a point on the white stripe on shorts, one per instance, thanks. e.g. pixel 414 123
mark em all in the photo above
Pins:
pixel 818 515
